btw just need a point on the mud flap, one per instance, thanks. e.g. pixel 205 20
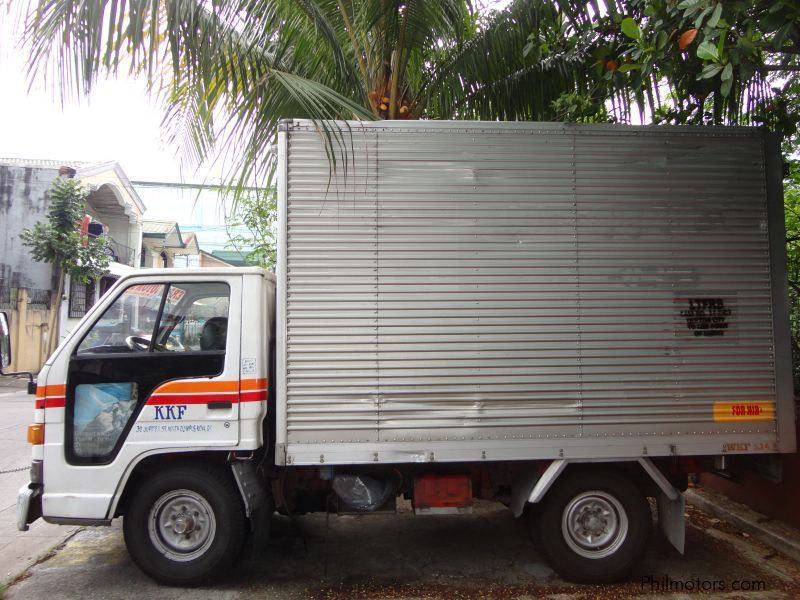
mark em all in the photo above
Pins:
pixel 251 486
pixel 258 504
pixel 260 521
pixel 671 519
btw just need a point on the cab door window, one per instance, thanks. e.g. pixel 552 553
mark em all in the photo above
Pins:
pixel 146 337
pixel 195 318
pixel 128 324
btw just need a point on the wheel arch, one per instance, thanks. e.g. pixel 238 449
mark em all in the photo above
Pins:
pixel 642 472
pixel 150 462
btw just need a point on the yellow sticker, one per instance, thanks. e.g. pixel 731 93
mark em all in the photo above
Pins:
pixel 726 412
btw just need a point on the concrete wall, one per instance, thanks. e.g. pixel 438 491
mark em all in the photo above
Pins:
pixel 23 202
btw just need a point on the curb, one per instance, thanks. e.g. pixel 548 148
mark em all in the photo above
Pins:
pixel 775 534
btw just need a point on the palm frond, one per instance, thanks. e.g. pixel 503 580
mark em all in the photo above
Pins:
pixel 489 77
pixel 228 71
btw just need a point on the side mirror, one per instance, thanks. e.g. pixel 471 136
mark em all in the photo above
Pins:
pixel 5 342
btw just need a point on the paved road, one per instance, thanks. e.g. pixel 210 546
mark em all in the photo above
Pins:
pixel 484 555
pixel 18 550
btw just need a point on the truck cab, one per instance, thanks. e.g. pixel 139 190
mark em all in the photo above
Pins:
pixel 168 361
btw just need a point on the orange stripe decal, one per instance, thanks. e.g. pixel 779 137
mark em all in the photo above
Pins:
pixel 254 384
pixel 196 387
pixel 51 390
pixel 199 392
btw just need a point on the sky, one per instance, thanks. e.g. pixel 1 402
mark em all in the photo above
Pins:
pixel 117 122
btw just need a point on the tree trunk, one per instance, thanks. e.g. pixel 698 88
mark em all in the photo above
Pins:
pixel 55 314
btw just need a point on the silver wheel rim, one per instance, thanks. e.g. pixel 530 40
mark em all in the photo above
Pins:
pixel 594 524
pixel 182 525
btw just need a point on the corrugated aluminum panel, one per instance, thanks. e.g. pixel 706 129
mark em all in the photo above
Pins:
pixel 492 282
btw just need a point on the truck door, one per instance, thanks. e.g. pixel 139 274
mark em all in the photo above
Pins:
pixel 159 368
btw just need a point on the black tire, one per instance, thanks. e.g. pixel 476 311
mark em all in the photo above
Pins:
pixel 202 524
pixel 610 522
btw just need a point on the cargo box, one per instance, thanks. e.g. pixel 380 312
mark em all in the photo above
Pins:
pixel 452 291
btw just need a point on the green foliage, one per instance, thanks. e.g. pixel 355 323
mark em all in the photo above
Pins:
pixel 59 241
pixel 579 108
pixel 791 200
pixel 256 211
pixel 683 61
pixel 714 58
pixel 630 28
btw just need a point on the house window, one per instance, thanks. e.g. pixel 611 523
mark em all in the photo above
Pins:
pixel 81 298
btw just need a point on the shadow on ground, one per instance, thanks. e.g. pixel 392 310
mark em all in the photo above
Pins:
pixel 484 555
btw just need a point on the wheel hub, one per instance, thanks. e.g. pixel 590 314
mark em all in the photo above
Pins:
pixel 182 525
pixel 594 524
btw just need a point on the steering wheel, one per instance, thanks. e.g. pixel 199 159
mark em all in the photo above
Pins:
pixel 137 343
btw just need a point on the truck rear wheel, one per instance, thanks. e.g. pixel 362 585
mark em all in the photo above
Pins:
pixel 592 526
pixel 185 525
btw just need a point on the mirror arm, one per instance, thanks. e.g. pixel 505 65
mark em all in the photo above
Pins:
pixel 31 382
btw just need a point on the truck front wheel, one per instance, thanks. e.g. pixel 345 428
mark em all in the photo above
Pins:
pixel 592 526
pixel 185 525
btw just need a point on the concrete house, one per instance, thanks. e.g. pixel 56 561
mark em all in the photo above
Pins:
pixel 26 286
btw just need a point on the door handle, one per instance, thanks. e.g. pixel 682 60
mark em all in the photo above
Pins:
pixel 219 405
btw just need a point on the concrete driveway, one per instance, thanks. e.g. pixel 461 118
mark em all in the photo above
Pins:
pixel 484 555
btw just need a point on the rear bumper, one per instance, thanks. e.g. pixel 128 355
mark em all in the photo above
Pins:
pixel 29 505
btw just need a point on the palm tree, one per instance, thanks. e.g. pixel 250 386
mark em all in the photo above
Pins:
pixel 230 70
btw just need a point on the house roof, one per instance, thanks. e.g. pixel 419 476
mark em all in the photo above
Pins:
pixel 43 163
pixel 154 227
pixel 190 243
pixel 82 168
pixel 218 259
pixel 232 257
pixel 168 231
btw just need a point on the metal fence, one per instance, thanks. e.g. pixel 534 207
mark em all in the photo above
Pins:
pixel 120 252
pixel 81 298
pixel 8 297
pixel 40 298
pixel 37 298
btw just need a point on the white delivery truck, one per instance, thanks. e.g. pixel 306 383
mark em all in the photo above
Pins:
pixel 567 319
